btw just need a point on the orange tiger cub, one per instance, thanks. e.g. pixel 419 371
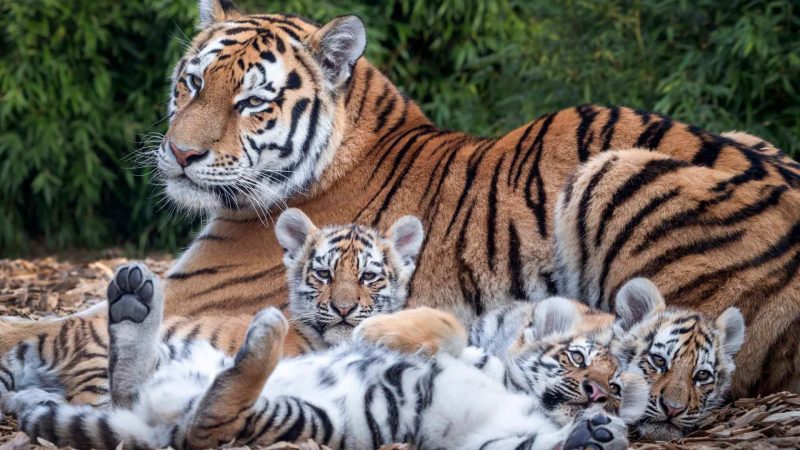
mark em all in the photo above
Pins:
pixel 338 276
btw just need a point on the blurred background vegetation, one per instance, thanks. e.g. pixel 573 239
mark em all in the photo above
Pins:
pixel 83 82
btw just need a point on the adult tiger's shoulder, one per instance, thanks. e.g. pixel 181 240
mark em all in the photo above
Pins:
pixel 707 241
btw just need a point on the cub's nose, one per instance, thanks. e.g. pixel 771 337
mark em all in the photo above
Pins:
pixel 672 409
pixel 594 391
pixel 343 309
pixel 184 157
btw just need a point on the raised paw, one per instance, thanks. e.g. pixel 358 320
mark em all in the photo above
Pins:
pixel 266 332
pixel 419 330
pixel 131 293
pixel 598 431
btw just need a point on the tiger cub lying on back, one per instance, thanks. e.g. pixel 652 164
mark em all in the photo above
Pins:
pixel 355 395
pixel 337 276
pixel 686 358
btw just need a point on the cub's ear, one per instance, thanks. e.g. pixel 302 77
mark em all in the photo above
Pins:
pixel 292 229
pixel 553 316
pixel 406 236
pixel 212 11
pixel 637 299
pixel 337 46
pixel 731 330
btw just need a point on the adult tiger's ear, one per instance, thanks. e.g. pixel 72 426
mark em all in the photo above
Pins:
pixel 731 329
pixel 406 237
pixel 292 230
pixel 337 46
pixel 212 11
pixel 636 300
pixel 551 317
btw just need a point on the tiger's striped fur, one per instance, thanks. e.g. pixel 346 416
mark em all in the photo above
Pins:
pixel 687 342
pixel 356 395
pixel 71 358
pixel 707 243
pixel 274 109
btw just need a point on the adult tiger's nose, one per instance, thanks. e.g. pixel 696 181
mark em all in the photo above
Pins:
pixel 187 156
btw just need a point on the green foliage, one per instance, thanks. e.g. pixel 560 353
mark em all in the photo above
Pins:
pixel 81 82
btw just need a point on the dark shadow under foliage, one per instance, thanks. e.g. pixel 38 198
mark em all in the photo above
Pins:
pixel 82 83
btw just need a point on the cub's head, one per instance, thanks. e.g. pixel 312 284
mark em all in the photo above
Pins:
pixel 340 275
pixel 254 107
pixel 567 363
pixel 686 358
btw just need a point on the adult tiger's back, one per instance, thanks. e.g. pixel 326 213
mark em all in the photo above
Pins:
pixel 707 243
pixel 273 109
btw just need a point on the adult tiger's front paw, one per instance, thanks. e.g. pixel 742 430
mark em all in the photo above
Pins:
pixel 419 330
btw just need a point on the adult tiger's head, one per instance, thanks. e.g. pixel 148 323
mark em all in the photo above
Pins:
pixel 255 106
pixel 340 275
pixel 686 358
pixel 566 361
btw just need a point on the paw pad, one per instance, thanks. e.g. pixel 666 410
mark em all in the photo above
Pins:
pixel 594 433
pixel 130 294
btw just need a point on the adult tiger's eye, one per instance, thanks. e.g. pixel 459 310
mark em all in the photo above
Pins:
pixel 577 357
pixel 195 82
pixel 255 102
pixel 658 361
pixel 323 274
pixel 702 375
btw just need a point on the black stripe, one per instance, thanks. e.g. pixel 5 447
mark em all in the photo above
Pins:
pixel 107 436
pixel 238 280
pixel 584 135
pixel 607 133
pixel 469 288
pixel 472 171
pixel 672 255
pixel 77 434
pixel 537 143
pixel 515 262
pixel 652 135
pixel 518 150
pixel 491 217
pixel 374 428
pixel 650 172
pixel 583 208
pixel 204 271
pixel 365 91
pixel 627 231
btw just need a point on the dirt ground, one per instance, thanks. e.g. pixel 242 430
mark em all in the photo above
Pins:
pixel 48 287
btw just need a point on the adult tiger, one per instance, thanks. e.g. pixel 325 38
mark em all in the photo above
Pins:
pixel 274 109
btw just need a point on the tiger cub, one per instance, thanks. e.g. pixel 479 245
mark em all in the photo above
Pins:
pixel 354 395
pixel 337 276
pixel 686 358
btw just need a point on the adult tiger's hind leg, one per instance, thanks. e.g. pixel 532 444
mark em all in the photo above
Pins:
pixel 222 414
pixel 136 309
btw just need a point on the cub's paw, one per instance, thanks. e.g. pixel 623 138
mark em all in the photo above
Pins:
pixel 266 333
pixel 598 431
pixel 17 403
pixel 419 330
pixel 132 294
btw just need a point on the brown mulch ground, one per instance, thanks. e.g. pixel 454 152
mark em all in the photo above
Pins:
pixel 49 287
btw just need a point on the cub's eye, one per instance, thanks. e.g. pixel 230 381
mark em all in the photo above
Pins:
pixel 615 389
pixel 702 375
pixel 254 102
pixel 577 357
pixel 368 276
pixel 195 82
pixel 658 361
pixel 323 274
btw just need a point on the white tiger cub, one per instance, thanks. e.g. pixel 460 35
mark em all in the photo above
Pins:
pixel 355 395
